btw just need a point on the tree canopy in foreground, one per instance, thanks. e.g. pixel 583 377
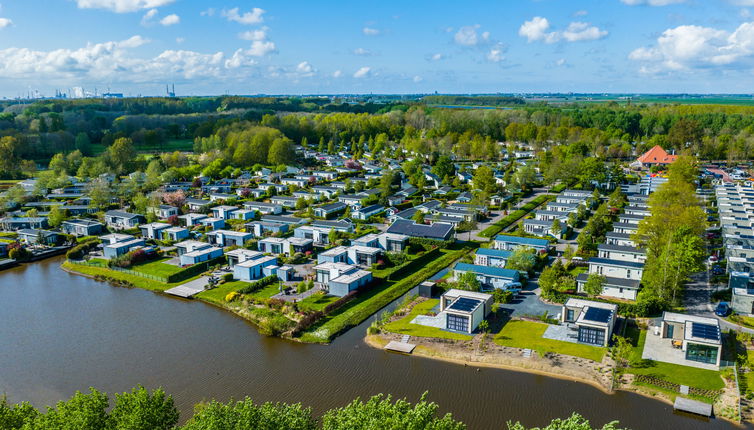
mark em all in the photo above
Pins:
pixel 141 409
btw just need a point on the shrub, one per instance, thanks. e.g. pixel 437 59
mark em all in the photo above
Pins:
pixel 231 296
pixel 227 277
pixel 19 253
pixel 258 285
pixel 79 251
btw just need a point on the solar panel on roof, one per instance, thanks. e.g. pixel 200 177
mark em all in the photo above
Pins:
pixel 598 315
pixel 464 304
pixel 705 331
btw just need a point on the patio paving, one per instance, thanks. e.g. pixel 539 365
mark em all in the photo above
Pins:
pixel 437 321
pixel 658 349
pixel 561 332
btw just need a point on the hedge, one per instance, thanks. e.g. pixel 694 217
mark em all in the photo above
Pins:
pixel 514 216
pixel 640 308
pixel 78 251
pixel 258 285
pixel 194 270
pixel 361 311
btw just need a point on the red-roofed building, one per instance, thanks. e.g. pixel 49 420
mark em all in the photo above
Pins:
pixel 656 157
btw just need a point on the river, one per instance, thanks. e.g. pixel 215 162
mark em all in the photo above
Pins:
pixel 62 332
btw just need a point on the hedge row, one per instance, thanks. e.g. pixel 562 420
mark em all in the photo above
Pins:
pixel 361 311
pixel 78 251
pixel 514 216
pixel 258 285
pixel 641 308
pixel 194 270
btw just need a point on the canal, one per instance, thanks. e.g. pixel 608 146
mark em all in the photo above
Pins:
pixel 62 332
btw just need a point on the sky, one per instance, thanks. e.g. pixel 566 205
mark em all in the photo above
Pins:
pixel 213 47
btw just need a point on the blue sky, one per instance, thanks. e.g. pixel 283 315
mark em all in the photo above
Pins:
pixel 296 47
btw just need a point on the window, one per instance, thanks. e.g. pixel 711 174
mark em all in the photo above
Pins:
pixel 701 353
pixel 592 336
pixel 458 323
pixel 569 315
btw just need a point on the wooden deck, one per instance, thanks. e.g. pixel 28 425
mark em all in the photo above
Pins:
pixel 402 347
pixel 189 289
pixel 692 406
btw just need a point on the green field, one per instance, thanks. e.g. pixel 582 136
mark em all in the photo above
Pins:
pixel 316 302
pixel 404 326
pixel 217 295
pixel 527 334
pixel 157 268
pixel 137 281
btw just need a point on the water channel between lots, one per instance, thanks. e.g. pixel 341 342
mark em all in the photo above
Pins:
pixel 61 332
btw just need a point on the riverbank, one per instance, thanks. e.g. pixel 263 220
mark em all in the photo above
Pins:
pixel 488 354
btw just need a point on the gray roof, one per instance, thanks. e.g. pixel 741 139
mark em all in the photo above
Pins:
pixel 438 231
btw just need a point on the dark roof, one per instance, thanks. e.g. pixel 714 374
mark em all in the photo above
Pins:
pixel 488 270
pixel 620 248
pixel 613 282
pixel 122 214
pixel 522 240
pixel 598 315
pixel 464 304
pixel 437 231
pixel 372 208
pixel 611 262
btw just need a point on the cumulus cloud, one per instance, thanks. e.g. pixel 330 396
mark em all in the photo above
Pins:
pixel 304 69
pixel 538 29
pixel 651 2
pixel 208 12
pixel 370 31
pixel 260 34
pixel 363 52
pixel 417 79
pixel 247 18
pixel 260 48
pixel 115 61
pixel 363 72
pixel 580 13
pixel 122 6
pixel 560 62
pixel 336 74
pixel 469 36
pixel 495 54
pixel 692 47
pixel 5 22
pixel 149 16
pixel 171 19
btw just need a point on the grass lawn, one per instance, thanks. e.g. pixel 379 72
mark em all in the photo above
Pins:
pixel 675 373
pixel 6 240
pixel 157 268
pixel 742 320
pixel 9 234
pixel 404 326
pixel 137 281
pixel 527 334
pixel 217 295
pixel 316 302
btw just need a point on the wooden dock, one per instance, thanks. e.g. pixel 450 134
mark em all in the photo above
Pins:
pixel 402 347
pixel 692 406
pixel 189 289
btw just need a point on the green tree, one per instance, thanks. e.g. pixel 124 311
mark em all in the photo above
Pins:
pixel 14 416
pixel 574 422
pixel 142 410
pixel 418 217
pixel 594 284
pixel 444 167
pixel 246 415
pixel 282 151
pixel 468 281
pixel 56 216
pixel 524 177
pixel 82 411
pixel 381 412
pixel 100 194
pixel 121 155
pixel 522 258
pixel 484 179
pixel 83 143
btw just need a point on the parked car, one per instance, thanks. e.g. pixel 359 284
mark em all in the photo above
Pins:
pixel 722 309
pixel 712 259
pixel 717 270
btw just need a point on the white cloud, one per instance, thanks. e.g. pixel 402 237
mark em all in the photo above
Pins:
pixel 468 36
pixel 580 13
pixel 116 62
pixel 147 18
pixel 362 72
pixel 5 22
pixel 689 47
pixel 582 31
pixel 651 2
pixel 560 62
pixel 336 74
pixel 436 57
pixel 304 69
pixel 208 12
pixel 247 18
pixel 362 52
pixel 122 6
pixel 260 34
pixel 538 29
pixel 495 55
pixel 260 48
pixel 179 40
pixel 417 79
pixel 370 31
pixel 171 19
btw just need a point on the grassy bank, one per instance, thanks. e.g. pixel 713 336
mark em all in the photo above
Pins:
pixel 527 334
pixel 371 301
pixel 136 281
pixel 404 326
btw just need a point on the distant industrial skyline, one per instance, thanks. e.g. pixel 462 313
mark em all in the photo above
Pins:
pixel 136 47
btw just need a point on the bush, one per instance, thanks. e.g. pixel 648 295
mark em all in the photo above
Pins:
pixel 227 277
pixel 19 253
pixel 231 296
pixel 513 217
pixel 79 251
pixel 502 296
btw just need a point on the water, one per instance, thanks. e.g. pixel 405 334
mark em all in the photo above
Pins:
pixel 62 332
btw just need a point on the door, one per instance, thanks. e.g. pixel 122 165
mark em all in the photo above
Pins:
pixel 670 329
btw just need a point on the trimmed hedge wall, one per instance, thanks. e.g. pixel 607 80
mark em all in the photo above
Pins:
pixel 194 270
pixel 258 285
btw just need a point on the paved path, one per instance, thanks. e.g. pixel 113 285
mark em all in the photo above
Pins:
pixel 528 302
pixel 697 301
pixel 498 215
pixel 190 288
